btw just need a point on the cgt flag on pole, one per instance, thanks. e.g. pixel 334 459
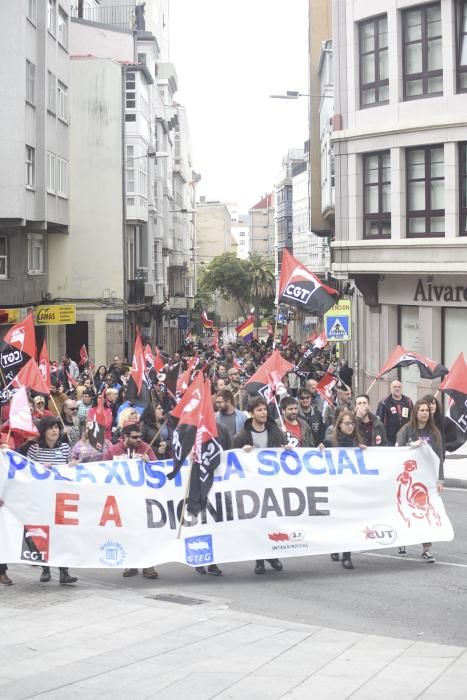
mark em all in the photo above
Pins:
pixel 400 357
pixel 301 288
pixel 455 386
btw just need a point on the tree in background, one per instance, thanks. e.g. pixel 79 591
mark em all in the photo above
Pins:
pixel 262 281
pixel 228 276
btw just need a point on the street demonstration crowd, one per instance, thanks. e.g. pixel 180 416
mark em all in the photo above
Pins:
pixel 300 416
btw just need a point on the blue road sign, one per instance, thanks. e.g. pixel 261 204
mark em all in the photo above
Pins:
pixel 338 328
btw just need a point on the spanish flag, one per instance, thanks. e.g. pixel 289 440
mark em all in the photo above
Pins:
pixel 207 323
pixel 246 329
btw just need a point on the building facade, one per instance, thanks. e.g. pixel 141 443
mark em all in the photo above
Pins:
pixel 400 147
pixel 261 221
pixel 34 145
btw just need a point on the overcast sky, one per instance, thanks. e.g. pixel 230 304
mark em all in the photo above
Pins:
pixel 230 55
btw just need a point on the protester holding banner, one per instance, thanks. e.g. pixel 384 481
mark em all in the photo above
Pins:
pixel 438 419
pixel 297 431
pixel 130 445
pixel 311 415
pixel 345 434
pixel 421 428
pixel 70 420
pixel 51 450
pixel 260 432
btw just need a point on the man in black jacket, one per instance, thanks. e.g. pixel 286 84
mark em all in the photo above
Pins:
pixel 311 415
pixel 394 411
pixel 369 426
pixel 260 432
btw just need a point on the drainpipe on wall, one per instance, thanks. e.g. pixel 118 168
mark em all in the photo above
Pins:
pixel 124 251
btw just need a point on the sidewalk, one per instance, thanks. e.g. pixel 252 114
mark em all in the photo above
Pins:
pixel 100 642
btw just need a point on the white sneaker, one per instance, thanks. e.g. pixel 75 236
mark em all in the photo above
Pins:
pixel 429 558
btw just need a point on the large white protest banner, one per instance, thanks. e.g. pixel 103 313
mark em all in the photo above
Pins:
pixel 264 504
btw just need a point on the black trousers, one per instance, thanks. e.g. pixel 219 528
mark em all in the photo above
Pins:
pixel 3 569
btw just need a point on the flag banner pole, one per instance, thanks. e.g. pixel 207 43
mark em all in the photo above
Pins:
pixel 182 514
pixel 279 412
pixel 154 438
pixel 60 417
pixel 371 385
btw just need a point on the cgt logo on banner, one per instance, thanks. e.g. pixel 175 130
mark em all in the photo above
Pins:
pixel 290 502
pixel 35 547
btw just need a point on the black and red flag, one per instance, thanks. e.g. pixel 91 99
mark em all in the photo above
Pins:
pixel 259 382
pixel 96 433
pixel 455 386
pixel 400 357
pixel 188 412
pixel 17 347
pixel 31 377
pixel 301 288
pixel 185 379
pixel 206 455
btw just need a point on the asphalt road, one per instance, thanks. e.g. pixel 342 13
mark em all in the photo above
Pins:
pixel 384 594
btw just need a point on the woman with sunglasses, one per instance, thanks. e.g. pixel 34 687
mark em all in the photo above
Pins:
pixel 51 450
pixel 345 434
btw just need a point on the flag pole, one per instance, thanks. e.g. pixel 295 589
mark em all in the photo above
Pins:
pixel 182 514
pixel 371 385
pixel 59 416
pixel 155 437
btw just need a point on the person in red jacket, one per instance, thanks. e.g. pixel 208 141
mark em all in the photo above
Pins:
pixel 130 445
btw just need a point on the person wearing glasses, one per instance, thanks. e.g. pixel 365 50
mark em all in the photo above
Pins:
pixel 40 411
pixel 69 414
pixel 345 434
pixel 130 445
pixel 235 386
pixel 51 450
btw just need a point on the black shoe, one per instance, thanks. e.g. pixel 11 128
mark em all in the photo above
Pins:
pixel 275 564
pixel 347 563
pixel 66 578
pixel 200 569
pixel 259 568
pixel 45 575
pixel 335 557
pixel 214 570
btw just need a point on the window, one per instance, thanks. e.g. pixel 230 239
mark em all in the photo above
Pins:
pixel 3 257
pixel 31 10
pixel 30 166
pixel 62 28
pixel 62 101
pixel 461 25
pixel 425 191
pixel 142 58
pixel 377 194
pixel 374 75
pixel 141 235
pixel 131 90
pixel 143 176
pixel 51 92
pixel 423 56
pixel 130 117
pixel 62 177
pixel 36 255
pixel 52 16
pixel 463 189
pixel 51 167
pixel 130 170
pixel 30 82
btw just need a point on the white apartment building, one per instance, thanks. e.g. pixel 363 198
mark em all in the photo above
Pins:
pixel 34 144
pixel 400 146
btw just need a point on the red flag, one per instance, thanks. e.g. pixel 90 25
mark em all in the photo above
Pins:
pixel 188 411
pixel 301 288
pixel 326 386
pixel 20 419
pixel 31 377
pixel 71 380
pixel 285 336
pixel 260 380
pixel 184 380
pixel 320 341
pixel 159 363
pixel 22 336
pixel 205 321
pixel 215 340
pixel 189 338
pixel 44 364
pixel 137 368
pixel 400 357
pixel 83 355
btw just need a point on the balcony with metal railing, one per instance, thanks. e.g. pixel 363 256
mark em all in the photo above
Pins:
pixel 119 16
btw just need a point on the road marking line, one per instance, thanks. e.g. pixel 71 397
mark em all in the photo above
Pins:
pixel 398 556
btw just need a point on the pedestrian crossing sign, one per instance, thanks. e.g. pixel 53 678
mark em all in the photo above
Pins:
pixel 337 328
